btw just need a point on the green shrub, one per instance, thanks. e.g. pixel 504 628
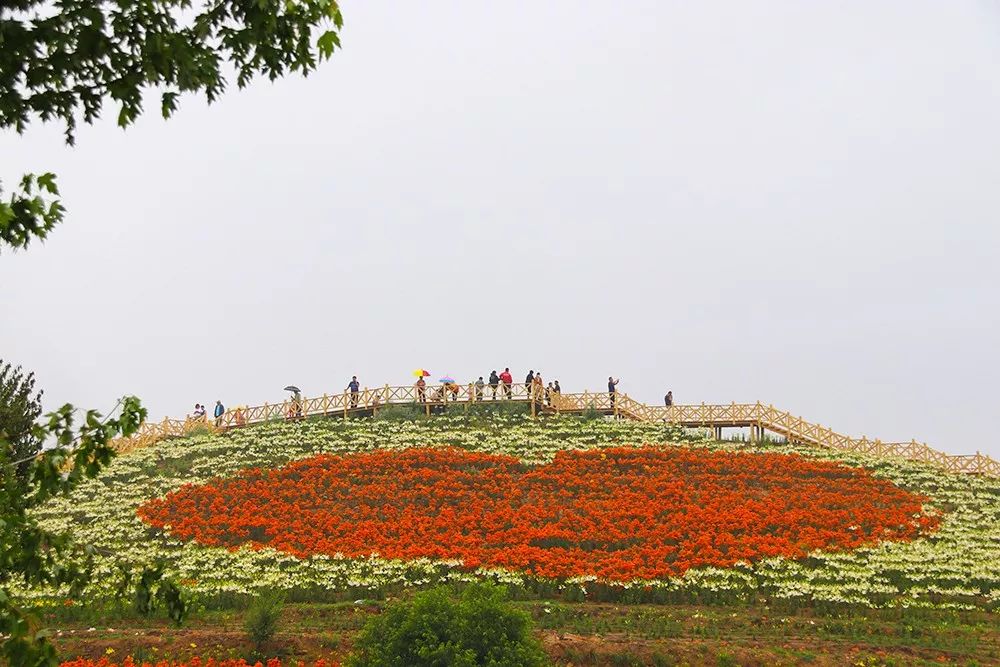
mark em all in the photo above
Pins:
pixel 261 621
pixel 397 413
pixel 477 412
pixel 434 628
pixel 198 428
pixel 726 660
pixel 591 413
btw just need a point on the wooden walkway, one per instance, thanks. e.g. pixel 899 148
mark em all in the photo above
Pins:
pixel 759 418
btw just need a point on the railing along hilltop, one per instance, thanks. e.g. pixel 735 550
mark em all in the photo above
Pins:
pixel 755 416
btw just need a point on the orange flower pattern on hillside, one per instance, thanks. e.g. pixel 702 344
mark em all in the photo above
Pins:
pixel 620 514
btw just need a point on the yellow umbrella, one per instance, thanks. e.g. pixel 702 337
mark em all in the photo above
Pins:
pixel 420 373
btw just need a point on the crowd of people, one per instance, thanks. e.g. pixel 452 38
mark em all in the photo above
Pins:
pixel 501 384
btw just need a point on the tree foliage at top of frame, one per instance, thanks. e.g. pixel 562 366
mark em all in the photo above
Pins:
pixel 63 60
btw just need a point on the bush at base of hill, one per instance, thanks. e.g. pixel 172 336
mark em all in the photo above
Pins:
pixel 433 628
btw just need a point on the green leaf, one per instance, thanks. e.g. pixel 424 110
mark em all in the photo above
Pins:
pixel 169 103
pixel 327 42
pixel 47 181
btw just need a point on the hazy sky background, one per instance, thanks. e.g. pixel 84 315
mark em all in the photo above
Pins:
pixel 793 202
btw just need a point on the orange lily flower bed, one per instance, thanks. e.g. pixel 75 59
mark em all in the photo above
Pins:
pixel 619 514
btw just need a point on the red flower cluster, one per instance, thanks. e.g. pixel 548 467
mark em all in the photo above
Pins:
pixel 193 662
pixel 620 514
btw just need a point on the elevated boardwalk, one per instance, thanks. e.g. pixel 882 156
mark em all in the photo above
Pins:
pixel 759 418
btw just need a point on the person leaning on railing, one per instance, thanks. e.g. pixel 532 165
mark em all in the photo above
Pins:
pixel 421 386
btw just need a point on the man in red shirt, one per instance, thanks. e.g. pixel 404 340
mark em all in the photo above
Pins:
pixel 507 380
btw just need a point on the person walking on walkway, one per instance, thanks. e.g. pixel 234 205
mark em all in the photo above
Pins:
pixel 421 386
pixel 355 387
pixel 528 381
pixel 668 400
pixel 508 382
pixel 537 388
pixel 549 390
pixel 220 410
pixel 480 386
pixel 612 390
pixel 494 383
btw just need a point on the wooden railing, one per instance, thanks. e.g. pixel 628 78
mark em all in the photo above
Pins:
pixel 757 417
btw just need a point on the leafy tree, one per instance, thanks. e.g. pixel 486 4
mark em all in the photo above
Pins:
pixel 434 629
pixel 30 554
pixel 20 408
pixel 63 61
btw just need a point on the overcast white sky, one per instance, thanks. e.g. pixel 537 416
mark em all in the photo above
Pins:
pixel 793 202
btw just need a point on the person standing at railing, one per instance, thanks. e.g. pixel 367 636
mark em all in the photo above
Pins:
pixel 199 411
pixel 494 383
pixel 668 400
pixel 549 390
pixel 529 382
pixel 355 387
pixel 537 388
pixel 220 410
pixel 480 386
pixel 556 389
pixel 421 386
pixel 612 391
pixel 508 382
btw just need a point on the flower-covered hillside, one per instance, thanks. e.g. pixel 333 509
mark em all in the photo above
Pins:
pixel 953 565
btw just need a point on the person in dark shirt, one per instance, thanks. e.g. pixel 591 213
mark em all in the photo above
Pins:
pixel 612 390
pixel 494 383
pixel 355 387
pixel 528 382
pixel 668 400
pixel 220 410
